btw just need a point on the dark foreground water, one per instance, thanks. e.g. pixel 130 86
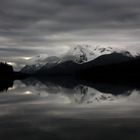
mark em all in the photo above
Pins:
pixel 44 110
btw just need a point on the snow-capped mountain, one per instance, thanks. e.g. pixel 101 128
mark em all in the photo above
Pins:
pixel 38 59
pixel 31 69
pixel 37 62
pixel 84 53
pixel 77 54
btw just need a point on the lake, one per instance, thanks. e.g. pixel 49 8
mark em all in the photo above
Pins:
pixel 69 109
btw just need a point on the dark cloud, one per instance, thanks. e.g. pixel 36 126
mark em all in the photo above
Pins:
pixel 13 52
pixel 49 23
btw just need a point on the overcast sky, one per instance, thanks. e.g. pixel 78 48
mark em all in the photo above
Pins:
pixel 30 27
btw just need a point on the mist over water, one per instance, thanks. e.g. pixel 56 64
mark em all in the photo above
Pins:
pixel 46 109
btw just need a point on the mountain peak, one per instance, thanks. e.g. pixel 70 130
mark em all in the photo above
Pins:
pixel 78 54
pixel 103 49
pixel 38 59
pixel 84 53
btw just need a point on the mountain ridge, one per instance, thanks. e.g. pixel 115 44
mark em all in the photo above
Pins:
pixel 78 55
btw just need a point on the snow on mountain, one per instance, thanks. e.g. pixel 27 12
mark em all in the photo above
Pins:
pixel 38 59
pixel 84 53
pixel 30 69
pixel 37 62
pixel 34 64
pixel 78 54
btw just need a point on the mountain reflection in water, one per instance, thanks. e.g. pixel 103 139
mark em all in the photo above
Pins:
pixel 65 108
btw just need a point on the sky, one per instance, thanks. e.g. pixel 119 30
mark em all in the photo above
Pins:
pixel 31 27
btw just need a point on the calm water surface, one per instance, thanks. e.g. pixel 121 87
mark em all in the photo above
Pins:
pixel 39 109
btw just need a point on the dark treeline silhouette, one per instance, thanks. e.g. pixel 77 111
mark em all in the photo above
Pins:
pixel 5 84
pixel 5 70
pixel 7 76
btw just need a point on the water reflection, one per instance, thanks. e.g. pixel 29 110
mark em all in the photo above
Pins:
pixel 6 85
pixel 67 90
pixel 69 109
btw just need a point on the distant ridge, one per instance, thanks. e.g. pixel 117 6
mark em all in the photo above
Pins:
pixel 78 57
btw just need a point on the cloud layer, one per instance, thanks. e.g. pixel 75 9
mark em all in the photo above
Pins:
pixel 36 26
